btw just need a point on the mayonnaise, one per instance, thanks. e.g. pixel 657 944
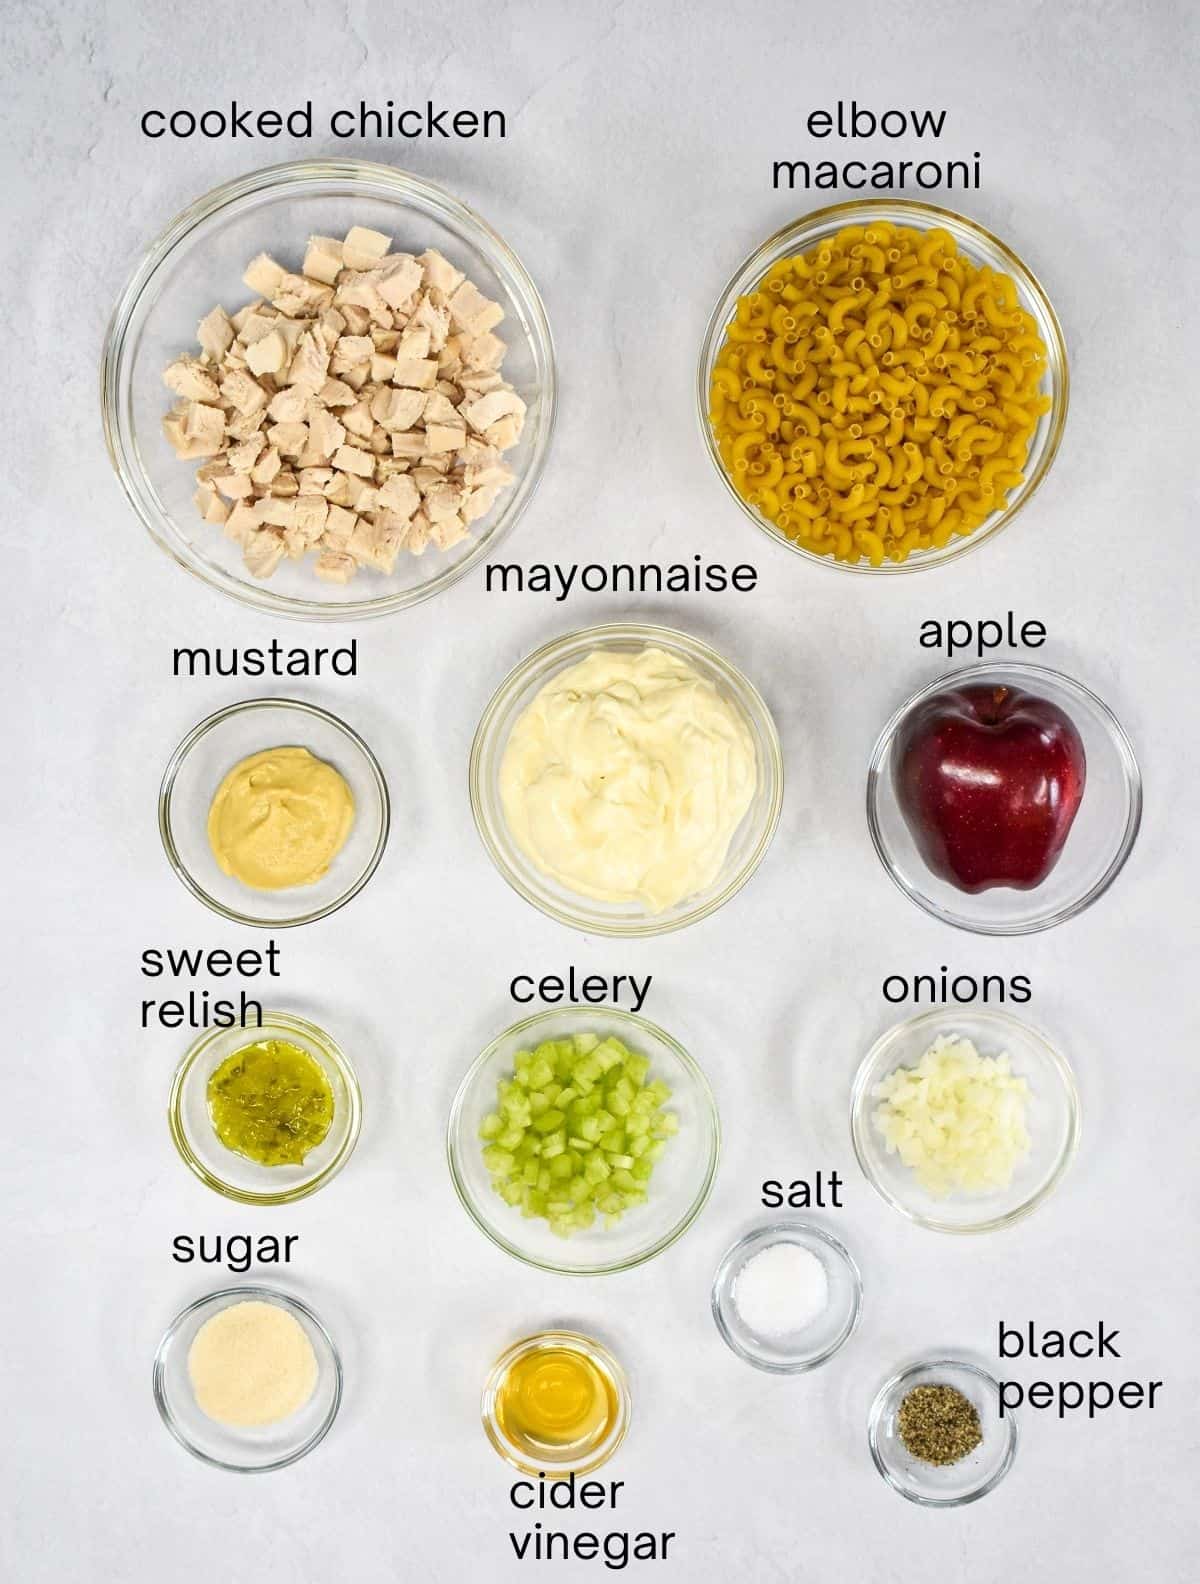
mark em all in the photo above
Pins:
pixel 279 819
pixel 626 777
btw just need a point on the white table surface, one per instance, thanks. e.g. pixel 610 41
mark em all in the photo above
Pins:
pixel 635 174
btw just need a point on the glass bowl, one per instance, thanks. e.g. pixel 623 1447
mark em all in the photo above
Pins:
pixel 1100 839
pixel 981 247
pixel 956 1484
pixel 1051 1115
pixel 750 840
pixel 682 1180
pixel 202 761
pixel 198 261
pixel 813 1344
pixel 250 1450
pixel 567 1462
pixel 234 1175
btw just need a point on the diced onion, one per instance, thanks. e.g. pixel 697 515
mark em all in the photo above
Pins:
pixel 957 1118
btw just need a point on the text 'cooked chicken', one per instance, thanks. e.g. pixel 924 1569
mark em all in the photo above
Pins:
pixel 354 410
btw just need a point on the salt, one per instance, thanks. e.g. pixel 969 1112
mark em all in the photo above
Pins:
pixel 783 1288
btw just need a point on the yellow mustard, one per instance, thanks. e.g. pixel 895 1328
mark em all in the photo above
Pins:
pixel 626 778
pixel 279 819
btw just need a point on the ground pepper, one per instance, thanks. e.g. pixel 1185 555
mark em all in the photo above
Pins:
pixel 939 1425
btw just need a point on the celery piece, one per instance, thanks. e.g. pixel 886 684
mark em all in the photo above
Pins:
pixel 491 1126
pixel 549 1121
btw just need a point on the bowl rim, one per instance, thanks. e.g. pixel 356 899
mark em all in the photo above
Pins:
pixel 758 718
pixel 456 1146
pixel 767 1234
pixel 1026 671
pixel 940 1017
pixel 167 788
pixel 240 1294
pixel 402 185
pixel 815 223
pixel 875 1416
pixel 329 1048
pixel 581 1342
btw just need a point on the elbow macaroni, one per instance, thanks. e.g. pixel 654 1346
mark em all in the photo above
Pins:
pixel 878 394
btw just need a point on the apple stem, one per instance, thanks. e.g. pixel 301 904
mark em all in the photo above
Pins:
pixel 999 694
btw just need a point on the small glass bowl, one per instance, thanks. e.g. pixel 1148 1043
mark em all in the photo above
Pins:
pixel 557 1467
pixel 1051 1115
pixel 682 1180
pixel 814 1344
pixel 750 841
pixel 234 1175
pixel 956 1484
pixel 250 1450
pixel 1100 839
pixel 202 761
pixel 198 261
pixel 981 247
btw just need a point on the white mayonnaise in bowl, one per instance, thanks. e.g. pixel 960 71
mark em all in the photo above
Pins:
pixel 749 841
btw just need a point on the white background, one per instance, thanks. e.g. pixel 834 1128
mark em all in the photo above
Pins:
pixel 635 175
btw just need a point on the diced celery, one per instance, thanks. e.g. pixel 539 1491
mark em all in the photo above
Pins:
pixel 576 1132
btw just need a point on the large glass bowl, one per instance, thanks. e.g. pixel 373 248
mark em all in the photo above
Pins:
pixel 981 247
pixel 1051 1117
pixel 198 261
pixel 682 1179
pixel 201 762
pixel 750 841
pixel 244 1450
pixel 1100 840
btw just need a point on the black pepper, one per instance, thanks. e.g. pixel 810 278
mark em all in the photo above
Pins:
pixel 938 1424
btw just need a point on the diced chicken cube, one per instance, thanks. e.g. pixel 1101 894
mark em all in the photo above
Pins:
pixel 470 310
pixel 267 466
pixel 335 566
pixel 415 373
pixel 310 367
pixel 439 272
pixel 484 352
pixel 210 506
pixel 325 433
pixel 351 460
pixel 242 390
pixel 242 520
pixel 289 439
pixel 215 333
pixel 204 425
pixel 262 552
pixel 322 259
pixel 363 248
pixel 267 356
pixel 264 275
pixel 339 525
pixel 487 410
pixel 289 405
pixel 189 378
pixel 399 494
pixel 444 437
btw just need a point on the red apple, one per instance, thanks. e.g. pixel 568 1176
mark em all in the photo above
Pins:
pixel 989 780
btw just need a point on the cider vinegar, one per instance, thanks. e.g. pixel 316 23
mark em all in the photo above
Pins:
pixel 556 1402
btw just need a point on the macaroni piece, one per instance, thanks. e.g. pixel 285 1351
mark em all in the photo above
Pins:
pixel 878 394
